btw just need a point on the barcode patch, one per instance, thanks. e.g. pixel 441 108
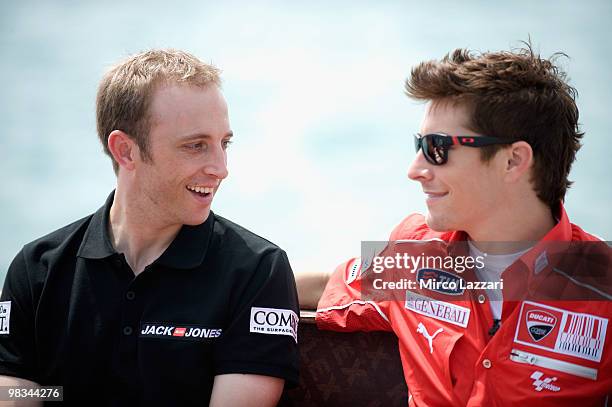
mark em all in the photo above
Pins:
pixel 582 335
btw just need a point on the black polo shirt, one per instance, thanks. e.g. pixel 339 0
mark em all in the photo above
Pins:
pixel 219 300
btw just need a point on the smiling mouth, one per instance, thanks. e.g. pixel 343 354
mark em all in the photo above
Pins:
pixel 201 191
pixel 434 195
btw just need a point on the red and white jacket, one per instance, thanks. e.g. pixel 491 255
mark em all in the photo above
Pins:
pixel 553 347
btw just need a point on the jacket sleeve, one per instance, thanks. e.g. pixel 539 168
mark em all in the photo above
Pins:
pixel 17 314
pixel 262 336
pixel 344 307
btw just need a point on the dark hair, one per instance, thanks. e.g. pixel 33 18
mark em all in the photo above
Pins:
pixel 515 96
pixel 125 92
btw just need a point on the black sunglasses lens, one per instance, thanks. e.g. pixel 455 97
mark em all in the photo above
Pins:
pixel 434 149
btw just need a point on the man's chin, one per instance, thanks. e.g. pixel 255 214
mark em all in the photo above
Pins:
pixel 437 224
pixel 197 220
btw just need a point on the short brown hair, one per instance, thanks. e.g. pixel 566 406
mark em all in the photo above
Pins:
pixel 124 94
pixel 515 96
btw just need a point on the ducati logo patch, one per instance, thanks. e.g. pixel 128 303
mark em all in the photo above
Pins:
pixel 540 323
pixel 561 331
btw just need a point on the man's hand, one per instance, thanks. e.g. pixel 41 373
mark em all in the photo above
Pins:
pixel 246 390
pixel 310 287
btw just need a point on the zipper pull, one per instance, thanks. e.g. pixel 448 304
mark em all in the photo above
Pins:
pixel 523 357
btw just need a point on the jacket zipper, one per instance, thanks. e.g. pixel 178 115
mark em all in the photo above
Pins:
pixel 549 363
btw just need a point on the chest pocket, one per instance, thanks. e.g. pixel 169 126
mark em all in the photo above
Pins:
pixel 428 347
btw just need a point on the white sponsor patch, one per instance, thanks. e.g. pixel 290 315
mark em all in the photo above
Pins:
pixel 561 331
pixel 441 310
pixel 5 317
pixel 274 321
pixel 540 383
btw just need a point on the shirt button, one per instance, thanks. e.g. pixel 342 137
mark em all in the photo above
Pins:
pixel 486 364
pixel 130 295
pixel 481 298
pixel 127 330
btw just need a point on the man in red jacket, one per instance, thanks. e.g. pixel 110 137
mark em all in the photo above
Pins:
pixel 481 322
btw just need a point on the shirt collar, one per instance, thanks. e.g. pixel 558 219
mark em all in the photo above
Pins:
pixel 189 247
pixel 536 259
pixel 96 242
pixel 562 231
pixel 186 251
pixel 561 234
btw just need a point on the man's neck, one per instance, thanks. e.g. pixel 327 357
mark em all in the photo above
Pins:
pixel 514 228
pixel 136 232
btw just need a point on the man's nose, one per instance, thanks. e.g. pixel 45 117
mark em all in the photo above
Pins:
pixel 420 170
pixel 216 165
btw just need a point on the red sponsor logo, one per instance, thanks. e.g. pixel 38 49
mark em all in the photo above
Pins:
pixel 179 331
pixel 540 323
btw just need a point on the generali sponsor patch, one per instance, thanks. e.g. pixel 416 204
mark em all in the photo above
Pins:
pixel 180 332
pixel 274 321
pixel 561 331
pixel 441 310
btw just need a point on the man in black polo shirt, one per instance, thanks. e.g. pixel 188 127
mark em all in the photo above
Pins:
pixel 154 299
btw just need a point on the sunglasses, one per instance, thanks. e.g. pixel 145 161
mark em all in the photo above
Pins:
pixel 436 145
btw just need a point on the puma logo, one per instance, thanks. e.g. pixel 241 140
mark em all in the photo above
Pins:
pixel 422 330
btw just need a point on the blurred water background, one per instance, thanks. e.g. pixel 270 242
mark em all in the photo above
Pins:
pixel 315 89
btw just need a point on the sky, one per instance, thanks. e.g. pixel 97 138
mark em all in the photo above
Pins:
pixel 323 130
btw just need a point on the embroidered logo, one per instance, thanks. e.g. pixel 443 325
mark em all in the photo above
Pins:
pixel 561 331
pixel 423 331
pixel 546 383
pixel 186 332
pixel 440 310
pixel 540 324
pixel 5 317
pixel 274 321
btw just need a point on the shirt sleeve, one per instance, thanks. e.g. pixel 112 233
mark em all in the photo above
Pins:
pixel 17 313
pixel 262 335
pixel 342 306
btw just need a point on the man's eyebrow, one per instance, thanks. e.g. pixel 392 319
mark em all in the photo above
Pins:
pixel 198 136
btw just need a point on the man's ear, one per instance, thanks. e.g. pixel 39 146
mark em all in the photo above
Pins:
pixel 123 149
pixel 519 159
